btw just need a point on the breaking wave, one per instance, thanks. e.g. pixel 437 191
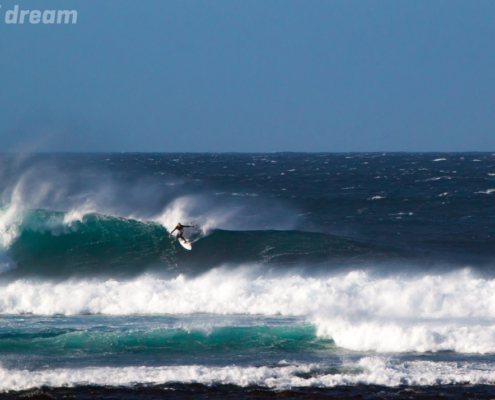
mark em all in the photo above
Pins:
pixel 368 371
pixel 359 311
pixel 54 244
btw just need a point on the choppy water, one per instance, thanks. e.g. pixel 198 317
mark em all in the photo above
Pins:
pixel 311 274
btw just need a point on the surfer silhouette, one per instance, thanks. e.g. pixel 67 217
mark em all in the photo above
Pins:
pixel 180 230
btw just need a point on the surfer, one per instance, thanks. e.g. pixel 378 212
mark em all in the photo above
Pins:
pixel 180 230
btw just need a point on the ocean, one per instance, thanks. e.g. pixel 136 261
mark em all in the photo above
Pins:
pixel 357 275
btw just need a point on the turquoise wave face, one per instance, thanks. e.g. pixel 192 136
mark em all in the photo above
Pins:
pixel 99 245
pixel 175 341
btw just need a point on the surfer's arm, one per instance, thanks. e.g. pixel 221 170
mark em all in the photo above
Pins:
pixel 172 232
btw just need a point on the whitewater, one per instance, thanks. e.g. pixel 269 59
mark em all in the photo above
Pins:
pixel 431 313
pixel 309 273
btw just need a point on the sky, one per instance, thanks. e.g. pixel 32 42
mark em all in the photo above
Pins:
pixel 250 76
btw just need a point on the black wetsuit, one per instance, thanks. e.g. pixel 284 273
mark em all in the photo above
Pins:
pixel 180 229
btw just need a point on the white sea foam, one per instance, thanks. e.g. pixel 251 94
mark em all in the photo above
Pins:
pixel 383 335
pixel 487 191
pixel 369 370
pixel 77 214
pixel 9 226
pixel 360 312
pixel 187 210
pixel 15 217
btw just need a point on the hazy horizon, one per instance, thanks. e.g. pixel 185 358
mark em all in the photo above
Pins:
pixel 249 77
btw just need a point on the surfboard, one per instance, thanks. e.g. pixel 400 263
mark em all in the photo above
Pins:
pixel 186 245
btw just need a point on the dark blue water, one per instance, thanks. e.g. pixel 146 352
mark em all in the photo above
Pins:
pixel 310 275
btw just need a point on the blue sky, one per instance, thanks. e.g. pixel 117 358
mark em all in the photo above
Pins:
pixel 250 76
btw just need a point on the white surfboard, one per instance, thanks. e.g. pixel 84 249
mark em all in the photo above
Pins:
pixel 186 245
